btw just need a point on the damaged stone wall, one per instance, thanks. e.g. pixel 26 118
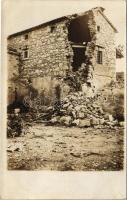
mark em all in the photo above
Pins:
pixel 50 56
pixel 90 49
pixel 87 42
pixel 52 48
pixel 13 73
pixel 105 41
pixel 82 35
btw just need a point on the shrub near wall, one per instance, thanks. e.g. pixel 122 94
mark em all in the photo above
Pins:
pixel 114 103
pixel 119 107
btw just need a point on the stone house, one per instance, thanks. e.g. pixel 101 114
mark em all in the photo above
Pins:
pixel 41 57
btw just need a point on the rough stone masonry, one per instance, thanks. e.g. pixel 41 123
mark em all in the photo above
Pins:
pixel 41 57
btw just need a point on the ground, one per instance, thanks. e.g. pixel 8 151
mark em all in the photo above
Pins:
pixel 67 148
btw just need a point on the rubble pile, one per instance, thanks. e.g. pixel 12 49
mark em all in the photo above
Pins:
pixel 78 110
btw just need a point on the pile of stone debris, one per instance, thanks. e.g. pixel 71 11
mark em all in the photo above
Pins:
pixel 76 109
pixel 79 110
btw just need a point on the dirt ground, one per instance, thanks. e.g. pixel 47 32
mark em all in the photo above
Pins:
pixel 66 149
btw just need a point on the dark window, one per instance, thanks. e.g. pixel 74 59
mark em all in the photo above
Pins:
pixel 25 53
pixel 52 29
pixel 26 37
pixel 98 28
pixel 99 57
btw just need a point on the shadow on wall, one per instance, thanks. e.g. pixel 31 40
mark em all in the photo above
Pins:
pixel 43 91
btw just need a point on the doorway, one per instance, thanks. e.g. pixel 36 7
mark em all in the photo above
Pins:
pixel 78 58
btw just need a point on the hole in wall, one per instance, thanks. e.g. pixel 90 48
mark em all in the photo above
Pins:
pixel 78 58
pixel 78 30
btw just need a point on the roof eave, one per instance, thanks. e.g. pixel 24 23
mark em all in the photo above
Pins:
pixel 116 31
pixel 36 27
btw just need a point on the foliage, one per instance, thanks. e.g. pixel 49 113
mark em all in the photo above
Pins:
pixel 119 107
pixel 14 125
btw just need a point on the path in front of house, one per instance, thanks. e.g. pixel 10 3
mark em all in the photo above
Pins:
pixel 66 149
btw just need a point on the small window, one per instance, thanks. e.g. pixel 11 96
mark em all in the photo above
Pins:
pixel 99 57
pixel 52 29
pixel 25 53
pixel 98 28
pixel 26 37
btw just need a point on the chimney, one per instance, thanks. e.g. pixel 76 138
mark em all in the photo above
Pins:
pixel 99 8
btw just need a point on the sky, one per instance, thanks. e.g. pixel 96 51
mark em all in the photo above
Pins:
pixel 22 14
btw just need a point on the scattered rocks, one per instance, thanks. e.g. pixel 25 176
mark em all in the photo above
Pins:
pixel 110 118
pixel 94 121
pixel 15 147
pixel 77 155
pixel 80 115
pixel 49 135
pixel 65 120
pixel 82 111
pixel 122 124
pixel 101 121
pixel 55 120
pixel 76 122
pixel 84 123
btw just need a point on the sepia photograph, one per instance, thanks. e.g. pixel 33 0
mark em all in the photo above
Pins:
pixel 66 68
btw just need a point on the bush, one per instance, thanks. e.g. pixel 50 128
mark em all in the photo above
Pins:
pixel 119 107
pixel 14 125
pixel 114 103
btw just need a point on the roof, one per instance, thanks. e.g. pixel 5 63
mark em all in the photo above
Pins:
pixel 108 21
pixel 100 9
pixel 38 26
